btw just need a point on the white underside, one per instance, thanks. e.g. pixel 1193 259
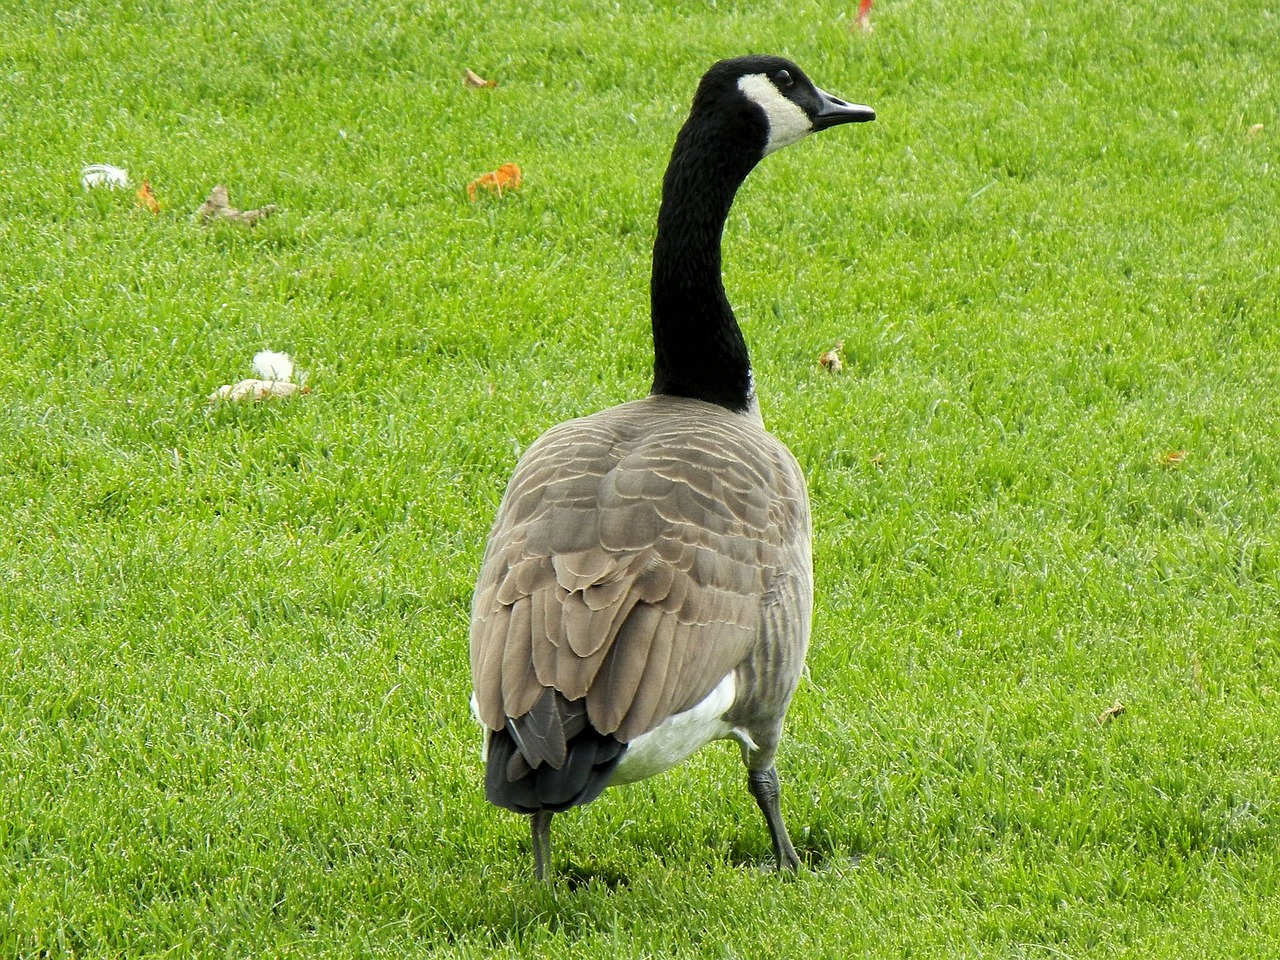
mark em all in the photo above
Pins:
pixel 679 736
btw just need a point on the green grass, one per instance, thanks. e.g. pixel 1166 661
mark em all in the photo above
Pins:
pixel 233 711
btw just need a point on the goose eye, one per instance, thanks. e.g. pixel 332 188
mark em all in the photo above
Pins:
pixel 783 79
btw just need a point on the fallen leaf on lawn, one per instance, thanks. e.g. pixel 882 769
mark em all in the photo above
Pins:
pixel 104 175
pixel 253 389
pixel 1172 458
pixel 218 207
pixel 473 79
pixel 1113 711
pixel 147 198
pixel 831 359
pixel 506 177
pixel 1255 131
pixel 863 20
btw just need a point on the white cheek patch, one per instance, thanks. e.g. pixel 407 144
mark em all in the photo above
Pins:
pixel 787 122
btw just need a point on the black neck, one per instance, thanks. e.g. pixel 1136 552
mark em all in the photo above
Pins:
pixel 698 348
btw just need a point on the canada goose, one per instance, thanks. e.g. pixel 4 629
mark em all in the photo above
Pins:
pixel 647 584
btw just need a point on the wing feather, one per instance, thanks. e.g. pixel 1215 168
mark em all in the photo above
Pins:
pixel 518 694
pixel 486 664
pixel 647 705
pixel 614 690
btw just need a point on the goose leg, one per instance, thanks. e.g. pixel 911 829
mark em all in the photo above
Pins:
pixel 541 824
pixel 763 785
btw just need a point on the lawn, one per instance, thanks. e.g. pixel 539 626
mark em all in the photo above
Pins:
pixel 1042 713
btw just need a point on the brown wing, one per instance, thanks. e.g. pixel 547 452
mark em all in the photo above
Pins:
pixel 629 562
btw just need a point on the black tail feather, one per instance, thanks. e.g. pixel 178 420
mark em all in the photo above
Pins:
pixel 520 774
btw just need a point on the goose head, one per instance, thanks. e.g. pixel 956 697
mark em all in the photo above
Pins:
pixel 755 105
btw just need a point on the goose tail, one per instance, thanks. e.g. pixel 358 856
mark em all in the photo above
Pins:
pixel 551 758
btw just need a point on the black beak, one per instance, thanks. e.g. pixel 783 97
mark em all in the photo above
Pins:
pixel 833 111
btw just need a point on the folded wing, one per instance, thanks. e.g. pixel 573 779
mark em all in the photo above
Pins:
pixel 628 564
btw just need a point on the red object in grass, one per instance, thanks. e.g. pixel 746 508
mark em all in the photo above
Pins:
pixel 864 15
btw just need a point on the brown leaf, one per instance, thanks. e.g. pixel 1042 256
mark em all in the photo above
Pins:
pixel 1172 458
pixel 506 177
pixel 212 208
pixel 147 198
pixel 1113 711
pixel 830 360
pixel 474 80
pixel 1255 131
pixel 218 207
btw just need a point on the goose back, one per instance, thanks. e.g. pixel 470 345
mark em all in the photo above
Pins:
pixel 639 556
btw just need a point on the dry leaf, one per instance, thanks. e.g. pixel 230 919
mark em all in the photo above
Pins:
pixel 1172 458
pixel 104 175
pixel 831 359
pixel 473 79
pixel 863 20
pixel 147 198
pixel 213 206
pixel 506 177
pixel 1113 711
pixel 218 207
pixel 257 390
pixel 1255 131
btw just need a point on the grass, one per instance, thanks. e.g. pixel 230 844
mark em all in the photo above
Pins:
pixel 233 717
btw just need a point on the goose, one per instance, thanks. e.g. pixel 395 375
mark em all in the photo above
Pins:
pixel 647 584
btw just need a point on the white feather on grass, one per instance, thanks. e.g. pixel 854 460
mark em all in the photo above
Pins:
pixel 269 365
pixel 103 175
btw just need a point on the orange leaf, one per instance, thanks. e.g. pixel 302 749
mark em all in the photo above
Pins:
pixel 831 359
pixel 1172 458
pixel 473 79
pixel 863 21
pixel 148 199
pixel 506 177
